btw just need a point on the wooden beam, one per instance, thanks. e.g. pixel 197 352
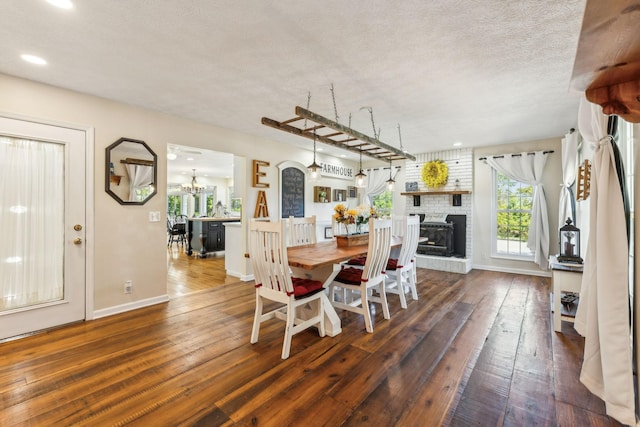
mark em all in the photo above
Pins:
pixel 346 130
pixel 324 139
pixel 141 162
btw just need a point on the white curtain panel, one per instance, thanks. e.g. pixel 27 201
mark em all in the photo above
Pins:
pixel 603 312
pixel 528 168
pixel 569 172
pixel 31 222
pixel 140 176
pixel 376 183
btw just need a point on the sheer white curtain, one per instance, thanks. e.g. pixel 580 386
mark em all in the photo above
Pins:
pixel 31 222
pixel 603 312
pixel 528 169
pixel 140 176
pixel 376 183
pixel 566 207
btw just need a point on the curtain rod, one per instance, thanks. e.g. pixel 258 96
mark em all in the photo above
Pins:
pixel 515 155
pixel 383 168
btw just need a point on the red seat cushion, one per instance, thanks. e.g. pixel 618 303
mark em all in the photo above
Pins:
pixel 361 260
pixel 392 264
pixel 305 287
pixel 350 276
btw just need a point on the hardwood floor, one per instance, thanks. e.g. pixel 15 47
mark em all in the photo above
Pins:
pixel 186 274
pixel 475 349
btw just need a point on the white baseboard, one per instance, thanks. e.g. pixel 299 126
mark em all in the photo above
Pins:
pixel 242 277
pixel 117 309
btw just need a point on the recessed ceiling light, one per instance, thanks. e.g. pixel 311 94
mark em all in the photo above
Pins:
pixel 33 59
pixel 62 4
pixel 457 144
pixel 172 156
pixel 320 149
pixel 343 155
pixel 190 158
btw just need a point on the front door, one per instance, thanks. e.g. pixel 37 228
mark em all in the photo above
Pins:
pixel 42 224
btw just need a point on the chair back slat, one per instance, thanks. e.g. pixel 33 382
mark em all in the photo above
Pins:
pixel 268 255
pixel 379 248
pixel 302 231
pixel 411 235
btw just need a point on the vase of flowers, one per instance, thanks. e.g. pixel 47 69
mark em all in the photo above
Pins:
pixel 345 216
pixel 357 217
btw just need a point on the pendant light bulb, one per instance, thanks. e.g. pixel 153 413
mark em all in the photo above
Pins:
pixel 390 181
pixel 314 168
pixel 360 176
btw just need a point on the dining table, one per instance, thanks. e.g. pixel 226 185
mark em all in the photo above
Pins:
pixel 320 257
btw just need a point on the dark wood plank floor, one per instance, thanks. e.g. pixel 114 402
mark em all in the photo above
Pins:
pixel 476 349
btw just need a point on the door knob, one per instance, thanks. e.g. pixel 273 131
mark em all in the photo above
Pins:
pixel 77 240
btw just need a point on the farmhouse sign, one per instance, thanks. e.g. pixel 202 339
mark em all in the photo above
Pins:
pixel 336 171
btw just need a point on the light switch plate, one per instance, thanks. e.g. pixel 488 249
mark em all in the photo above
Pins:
pixel 154 216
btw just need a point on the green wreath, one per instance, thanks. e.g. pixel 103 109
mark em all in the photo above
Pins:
pixel 435 173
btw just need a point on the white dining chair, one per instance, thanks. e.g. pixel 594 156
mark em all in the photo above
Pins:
pixel 302 231
pixel 268 255
pixel 362 281
pixel 401 277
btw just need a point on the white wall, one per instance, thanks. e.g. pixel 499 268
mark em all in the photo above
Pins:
pixel 127 246
pixel 482 196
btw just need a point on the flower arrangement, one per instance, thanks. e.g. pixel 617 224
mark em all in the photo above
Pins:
pixel 357 216
pixel 435 173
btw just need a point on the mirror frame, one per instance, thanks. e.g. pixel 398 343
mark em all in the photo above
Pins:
pixel 107 180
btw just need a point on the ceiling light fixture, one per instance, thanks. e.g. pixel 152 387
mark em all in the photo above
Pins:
pixel 62 4
pixel 194 188
pixel 32 59
pixel 172 156
pixel 314 168
pixel 360 176
pixel 390 181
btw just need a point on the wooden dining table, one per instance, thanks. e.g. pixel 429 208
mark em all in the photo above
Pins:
pixel 319 256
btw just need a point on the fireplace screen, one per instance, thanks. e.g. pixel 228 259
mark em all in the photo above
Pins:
pixel 444 238
pixel 439 237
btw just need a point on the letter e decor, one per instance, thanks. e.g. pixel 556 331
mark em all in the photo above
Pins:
pixel 257 174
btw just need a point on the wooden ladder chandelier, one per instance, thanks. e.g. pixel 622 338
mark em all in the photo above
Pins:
pixel 338 135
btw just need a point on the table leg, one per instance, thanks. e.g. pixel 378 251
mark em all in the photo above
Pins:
pixel 332 326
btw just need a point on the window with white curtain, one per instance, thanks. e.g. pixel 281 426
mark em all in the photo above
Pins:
pixel 383 203
pixel 511 216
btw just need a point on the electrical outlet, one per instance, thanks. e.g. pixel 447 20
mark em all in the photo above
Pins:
pixel 128 287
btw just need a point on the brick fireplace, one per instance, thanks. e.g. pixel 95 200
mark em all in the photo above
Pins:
pixel 458 258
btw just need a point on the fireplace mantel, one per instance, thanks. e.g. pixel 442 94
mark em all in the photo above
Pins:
pixel 434 193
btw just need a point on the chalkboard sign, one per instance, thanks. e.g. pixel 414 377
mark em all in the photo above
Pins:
pixel 292 183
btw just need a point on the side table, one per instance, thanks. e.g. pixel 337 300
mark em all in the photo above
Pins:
pixel 564 278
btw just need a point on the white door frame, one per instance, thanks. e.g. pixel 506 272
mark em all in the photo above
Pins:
pixel 89 199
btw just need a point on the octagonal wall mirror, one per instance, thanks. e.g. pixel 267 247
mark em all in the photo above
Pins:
pixel 131 171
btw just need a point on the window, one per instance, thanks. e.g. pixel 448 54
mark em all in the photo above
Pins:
pixel 383 203
pixel 174 204
pixel 513 201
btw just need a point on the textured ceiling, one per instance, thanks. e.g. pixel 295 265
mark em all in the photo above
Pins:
pixel 477 72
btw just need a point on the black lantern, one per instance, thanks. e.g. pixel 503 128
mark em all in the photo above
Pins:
pixel 569 239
